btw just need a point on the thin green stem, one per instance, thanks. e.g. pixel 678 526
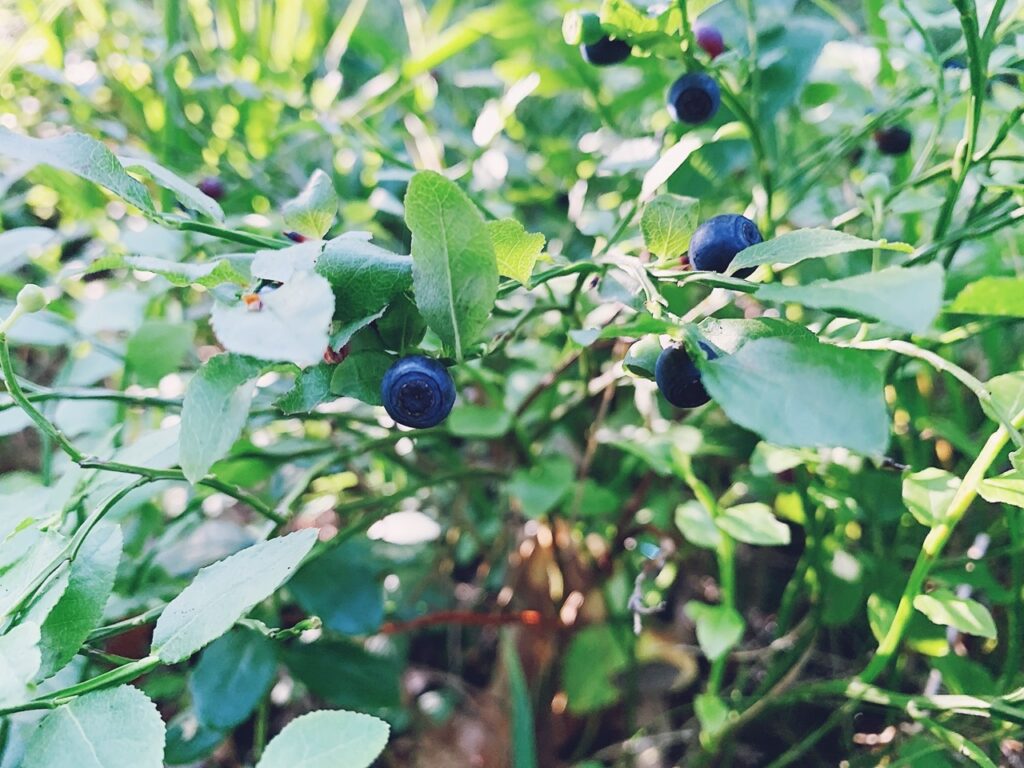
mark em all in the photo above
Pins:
pixel 235 236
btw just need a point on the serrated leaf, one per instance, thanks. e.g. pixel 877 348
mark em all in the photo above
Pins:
pixel 719 627
pixel 993 296
pixel 19 245
pixel 292 323
pixel 515 249
pixel 19 662
pixel 907 297
pixel 327 739
pixel 1007 488
pixel 455 273
pixel 80 608
pixel 364 277
pixel 181 274
pixel 667 223
pixel 223 592
pixel 802 244
pixel 969 616
pixel 360 375
pixel 753 524
pixel 186 193
pixel 113 728
pixel 789 391
pixel 215 410
pixel 233 674
pixel 81 155
pixel 312 387
pixel 928 494
pixel 312 212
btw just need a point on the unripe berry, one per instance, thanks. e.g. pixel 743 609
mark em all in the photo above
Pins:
pixel 710 39
pixel 31 298
pixel 694 98
pixel 418 392
pixel 717 241
pixel 212 187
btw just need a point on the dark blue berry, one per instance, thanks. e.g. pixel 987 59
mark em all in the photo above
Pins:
pixel 893 141
pixel 212 187
pixel 678 377
pixel 295 237
pixel 694 98
pixel 717 241
pixel 418 392
pixel 954 63
pixel 606 51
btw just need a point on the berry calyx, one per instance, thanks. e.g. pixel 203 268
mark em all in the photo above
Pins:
pixel 894 140
pixel 710 39
pixel 418 392
pixel 694 98
pixel 606 51
pixel 678 377
pixel 717 241
pixel 212 187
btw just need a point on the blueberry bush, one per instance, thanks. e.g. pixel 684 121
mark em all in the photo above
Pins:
pixel 526 384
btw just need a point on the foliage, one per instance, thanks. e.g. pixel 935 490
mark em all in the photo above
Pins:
pixel 216 547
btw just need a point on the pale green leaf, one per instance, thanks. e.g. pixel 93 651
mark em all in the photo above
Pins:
pixel 208 274
pixel 186 193
pixel 969 616
pixel 719 627
pixel 667 223
pixel 515 249
pixel 794 247
pixel 364 277
pixel 19 662
pixel 753 523
pixel 995 296
pixel 327 739
pixel 1007 488
pixel 928 494
pixel 312 212
pixel 224 592
pixel 18 246
pixel 697 526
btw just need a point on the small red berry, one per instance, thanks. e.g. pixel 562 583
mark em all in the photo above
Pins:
pixel 710 39
pixel 212 187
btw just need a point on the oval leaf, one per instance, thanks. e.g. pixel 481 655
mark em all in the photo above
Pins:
pixel 223 592
pixel 312 212
pixel 945 608
pixel 327 739
pixel 794 247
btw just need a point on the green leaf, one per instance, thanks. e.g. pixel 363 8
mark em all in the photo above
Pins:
pixel 713 716
pixel 327 739
pixel 667 223
pixel 515 249
pixel 697 525
pixel 18 246
pixel 787 53
pixel 622 19
pixel 455 273
pixel 753 524
pixel 215 410
pixel 730 335
pixel 312 387
pixel 596 655
pixel 81 155
pixel 344 587
pixel 312 213
pixel 798 393
pixel 189 740
pixel 233 674
pixel 280 264
pixel 928 494
pixel 479 421
pixel 994 296
pixel 113 728
pixel 360 375
pixel 158 348
pixel 223 592
pixel 642 356
pixel 345 674
pixel 794 247
pixel 183 191
pixel 541 487
pixel 19 662
pixel 943 607
pixel 1007 393
pixel 80 608
pixel 719 627
pixel 209 274
pixel 907 297
pixel 291 323
pixel 364 277
pixel 1007 488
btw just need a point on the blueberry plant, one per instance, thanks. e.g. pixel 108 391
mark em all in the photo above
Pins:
pixel 511 384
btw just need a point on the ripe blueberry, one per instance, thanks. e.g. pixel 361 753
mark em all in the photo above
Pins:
pixel 295 237
pixel 678 377
pixel 418 392
pixel 954 62
pixel 717 241
pixel 694 98
pixel 710 39
pixel 212 187
pixel 605 51
pixel 893 141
